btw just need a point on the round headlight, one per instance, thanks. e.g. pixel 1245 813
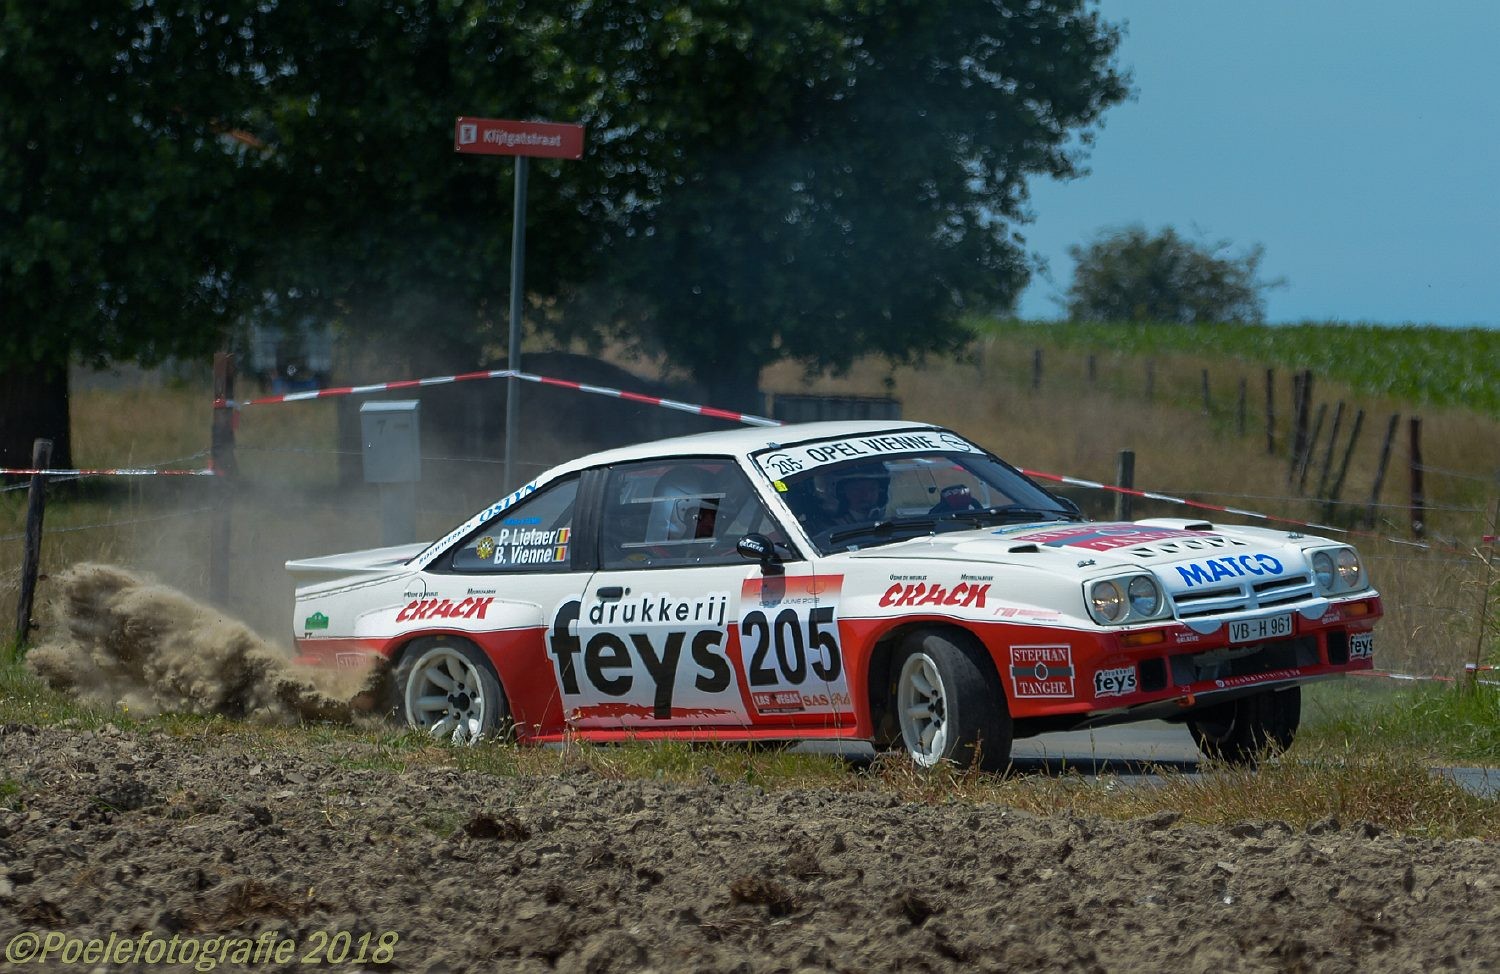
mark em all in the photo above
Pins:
pixel 1145 597
pixel 1108 600
pixel 1322 565
pixel 1348 567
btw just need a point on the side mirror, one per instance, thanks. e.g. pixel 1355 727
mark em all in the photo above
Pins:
pixel 758 547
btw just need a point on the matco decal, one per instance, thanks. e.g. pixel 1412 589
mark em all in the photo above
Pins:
pixel 962 595
pixel 1115 683
pixel 444 609
pixel 1233 566
pixel 1042 671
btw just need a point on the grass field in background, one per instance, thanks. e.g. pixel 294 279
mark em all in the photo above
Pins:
pixel 1423 366
pixel 1364 755
pixel 1442 605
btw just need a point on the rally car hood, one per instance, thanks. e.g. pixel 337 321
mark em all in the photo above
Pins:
pixel 1183 554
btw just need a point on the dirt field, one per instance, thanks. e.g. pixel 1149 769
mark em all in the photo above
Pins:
pixel 202 837
pixel 224 835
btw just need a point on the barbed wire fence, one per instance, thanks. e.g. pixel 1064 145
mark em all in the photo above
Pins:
pixel 1448 585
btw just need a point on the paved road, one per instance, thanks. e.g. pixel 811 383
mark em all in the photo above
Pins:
pixel 1132 750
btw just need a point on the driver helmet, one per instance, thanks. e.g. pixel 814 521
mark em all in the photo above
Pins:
pixel 686 505
pixel 879 477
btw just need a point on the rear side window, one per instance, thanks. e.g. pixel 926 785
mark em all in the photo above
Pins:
pixel 673 513
pixel 535 535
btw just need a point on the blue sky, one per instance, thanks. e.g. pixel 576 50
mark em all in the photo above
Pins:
pixel 1359 142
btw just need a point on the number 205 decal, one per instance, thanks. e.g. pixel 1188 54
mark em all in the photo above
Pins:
pixel 794 654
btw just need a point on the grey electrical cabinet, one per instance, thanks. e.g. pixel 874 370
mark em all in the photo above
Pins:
pixel 392 441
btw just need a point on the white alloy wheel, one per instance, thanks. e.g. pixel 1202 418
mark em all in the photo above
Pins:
pixel 450 696
pixel 922 703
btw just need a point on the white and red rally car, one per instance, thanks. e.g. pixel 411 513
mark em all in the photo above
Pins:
pixel 867 581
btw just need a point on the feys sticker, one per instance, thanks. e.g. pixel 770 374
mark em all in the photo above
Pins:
pixel 1115 683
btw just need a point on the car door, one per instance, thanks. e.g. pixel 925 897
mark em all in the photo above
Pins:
pixel 673 630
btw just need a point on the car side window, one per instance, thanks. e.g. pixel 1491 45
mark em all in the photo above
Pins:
pixel 534 535
pixel 668 513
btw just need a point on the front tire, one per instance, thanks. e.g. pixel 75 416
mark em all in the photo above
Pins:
pixel 1240 731
pixel 947 706
pixel 445 688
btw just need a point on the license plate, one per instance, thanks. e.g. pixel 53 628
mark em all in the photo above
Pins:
pixel 1256 630
pixel 1362 646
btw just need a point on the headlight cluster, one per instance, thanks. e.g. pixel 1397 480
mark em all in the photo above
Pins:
pixel 1135 598
pixel 1337 570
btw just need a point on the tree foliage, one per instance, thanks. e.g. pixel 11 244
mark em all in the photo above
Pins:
pixel 1132 275
pixel 813 179
pixel 869 191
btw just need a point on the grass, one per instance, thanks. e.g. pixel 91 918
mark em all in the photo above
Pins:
pixel 1363 755
pixel 1365 745
pixel 1458 722
pixel 1423 365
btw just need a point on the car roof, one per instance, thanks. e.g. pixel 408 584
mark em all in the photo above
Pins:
pixel 739 442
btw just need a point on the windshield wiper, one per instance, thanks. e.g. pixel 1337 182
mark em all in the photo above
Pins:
pixel 1011 512
pixel 883 527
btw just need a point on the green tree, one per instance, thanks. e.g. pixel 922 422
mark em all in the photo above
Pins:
pixel 813 179
pixel 1132 275
pixel 121 234
pixel 850 176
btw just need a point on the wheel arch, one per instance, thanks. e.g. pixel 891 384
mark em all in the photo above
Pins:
pixel 879 678
pixel 400 648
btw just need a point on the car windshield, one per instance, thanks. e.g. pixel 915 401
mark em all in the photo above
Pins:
pixel 865 502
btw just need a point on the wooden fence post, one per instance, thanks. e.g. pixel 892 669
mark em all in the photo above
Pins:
pixel 1240 406
pixel 1385 459
pixel 1093 369
pixel 1338 482
pixel 1301 408
pixel 226 469
pixel 1333 438
pixel 1208 403
pixel 1270 412
pixel 1418 498
pixel 31 558
pixel 1307 448
pixel 1291 435
pixel 1036 369
pixel 1150 380
pixel 1124 477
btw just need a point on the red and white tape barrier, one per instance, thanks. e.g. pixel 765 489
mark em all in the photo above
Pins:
pixel 1168 498
pixel 686 407
pixel 1204 506
pixel 1470 671
pixel 106 472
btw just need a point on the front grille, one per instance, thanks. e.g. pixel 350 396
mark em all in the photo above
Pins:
pixel 1287 654
pixel 1238 597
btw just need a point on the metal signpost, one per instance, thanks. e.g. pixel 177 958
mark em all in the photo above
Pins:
pixel 501 137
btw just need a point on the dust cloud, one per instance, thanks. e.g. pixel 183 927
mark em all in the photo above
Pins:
pixel 122 640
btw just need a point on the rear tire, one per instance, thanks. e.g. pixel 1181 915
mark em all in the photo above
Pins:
pixel 947 705
pixel 445 688
pixel 1240 731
